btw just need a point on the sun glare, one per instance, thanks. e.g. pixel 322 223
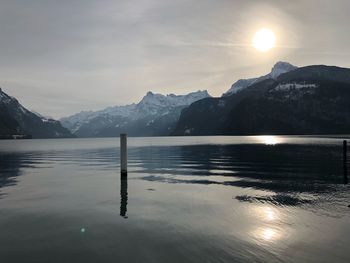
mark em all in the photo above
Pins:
pixel 264 39
pixel 269 140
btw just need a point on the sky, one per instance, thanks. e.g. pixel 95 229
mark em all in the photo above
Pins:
pixel 61 57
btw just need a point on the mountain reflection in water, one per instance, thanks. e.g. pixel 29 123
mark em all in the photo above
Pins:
pixel 266 165
pixel 197 199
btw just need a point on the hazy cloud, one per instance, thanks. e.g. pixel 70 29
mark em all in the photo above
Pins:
pixel 60 57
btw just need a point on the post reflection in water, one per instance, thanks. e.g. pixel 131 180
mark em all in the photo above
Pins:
pixel 123 197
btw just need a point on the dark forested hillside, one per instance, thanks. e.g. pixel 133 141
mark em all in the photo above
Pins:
pixel 15 120
pixel 308 100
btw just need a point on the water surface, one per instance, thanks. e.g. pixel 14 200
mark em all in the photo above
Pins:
pixel 187 199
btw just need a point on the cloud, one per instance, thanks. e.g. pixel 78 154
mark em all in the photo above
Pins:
pixel 61 57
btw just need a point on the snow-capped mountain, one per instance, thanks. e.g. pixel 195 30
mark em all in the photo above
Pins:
pixel 18 122
pixel 278 69
pixel 307 100
pixel 155 114
pixel 74 122
pixel 155 104
pixel 171 100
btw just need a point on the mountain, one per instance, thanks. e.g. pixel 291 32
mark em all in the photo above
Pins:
pixel 18 122
pixel 154 115
pixel 306 100
pixel 77 121
pixel 278 69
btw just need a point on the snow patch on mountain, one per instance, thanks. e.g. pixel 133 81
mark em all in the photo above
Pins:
pixel 294 86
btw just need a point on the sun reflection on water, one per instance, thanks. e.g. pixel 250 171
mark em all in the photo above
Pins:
pixel 270 140
pixel 269 231
pixel 270 214
pixel 267 213
pixel 269 234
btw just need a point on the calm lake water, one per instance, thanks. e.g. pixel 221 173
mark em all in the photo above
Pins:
pixel 187 199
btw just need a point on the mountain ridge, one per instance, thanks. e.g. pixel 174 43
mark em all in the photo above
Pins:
pixel 313 99
pixel 279 68
pixel 18 122
pixel 154 114
pixel 308 100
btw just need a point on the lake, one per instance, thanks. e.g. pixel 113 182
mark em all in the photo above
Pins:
pixel 186 199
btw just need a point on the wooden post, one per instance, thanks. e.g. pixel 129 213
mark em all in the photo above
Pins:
pixel 123 155
pixel 345 165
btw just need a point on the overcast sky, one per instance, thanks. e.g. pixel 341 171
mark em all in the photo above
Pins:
pixel 59 57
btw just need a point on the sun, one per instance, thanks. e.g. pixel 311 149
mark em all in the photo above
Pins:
pixel 264 39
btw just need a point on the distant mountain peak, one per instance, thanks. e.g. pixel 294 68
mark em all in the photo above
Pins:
pixel 202 92
pixel 155 100
pixel 152 106
pixel 278 69
pixel 198 92
pixel 281 67
pixel 283 64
